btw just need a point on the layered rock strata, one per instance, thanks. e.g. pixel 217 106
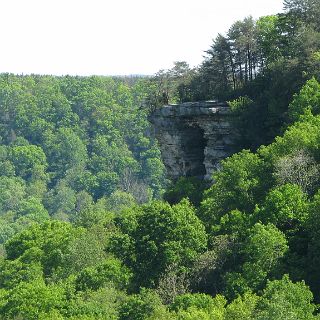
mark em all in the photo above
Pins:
pixel 194 137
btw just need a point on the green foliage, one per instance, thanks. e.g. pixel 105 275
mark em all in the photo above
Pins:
pixel 33 209
pixel 239 185
pixel 191 188
pixel 234 222
pixel 240 104
pixel 244 121
pixel 308 99
pixel 312 247
pixel 87 249
pixel 64 135
pixel 285 206
pixel 169 86
pixel 283 299
pixel 306 10
pixel 66 150
pixel 198 300
pixel 139 306
pixel 12 192
pixel 267 37
pixel 101 304
pixel 96 277
pixel 28 299
pixel 119 200
pixel 302 135
pixel 157 235
pixel 263 250
pixel 16 271
pixel 46 243
pixel 29 161
pixel 265 245
pixel 242 308
pixel 191 306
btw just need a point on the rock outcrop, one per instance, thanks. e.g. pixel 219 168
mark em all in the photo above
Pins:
pixel 194 137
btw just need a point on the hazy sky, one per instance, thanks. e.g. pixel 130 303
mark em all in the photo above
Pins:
pixel 108 37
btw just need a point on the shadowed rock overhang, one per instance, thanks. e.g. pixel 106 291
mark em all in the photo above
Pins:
pixel 194 137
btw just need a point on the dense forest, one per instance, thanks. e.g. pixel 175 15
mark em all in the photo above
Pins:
pixel 90 228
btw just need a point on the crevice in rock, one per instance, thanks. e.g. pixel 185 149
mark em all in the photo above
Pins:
pixel 193 146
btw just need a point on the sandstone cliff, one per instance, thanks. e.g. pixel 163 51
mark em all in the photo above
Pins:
pixel 194 137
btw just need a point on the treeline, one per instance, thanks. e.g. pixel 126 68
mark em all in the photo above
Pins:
pixel 265 60
pixel 252 49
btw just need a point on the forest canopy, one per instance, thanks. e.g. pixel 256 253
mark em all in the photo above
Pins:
pixel 90 228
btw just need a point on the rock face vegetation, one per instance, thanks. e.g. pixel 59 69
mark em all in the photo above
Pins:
pixel 90 226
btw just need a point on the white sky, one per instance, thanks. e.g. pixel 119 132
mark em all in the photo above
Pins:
pixel 113 37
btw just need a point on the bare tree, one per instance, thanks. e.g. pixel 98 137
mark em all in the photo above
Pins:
pixel 130 183
pixel 298 168
pixel 212 260
pixel 172 283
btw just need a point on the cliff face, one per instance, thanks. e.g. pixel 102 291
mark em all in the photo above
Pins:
pixel 194 137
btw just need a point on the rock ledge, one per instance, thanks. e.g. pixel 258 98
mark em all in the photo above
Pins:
pixel 194 137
